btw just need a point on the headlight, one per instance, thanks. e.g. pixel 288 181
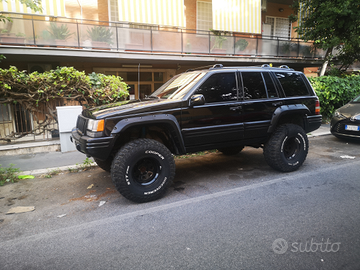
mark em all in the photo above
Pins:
pixel 95 128
pixel 339 115
pixel 356 117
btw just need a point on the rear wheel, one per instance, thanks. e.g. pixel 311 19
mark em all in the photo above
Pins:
pixel 287 148
pixel 142 170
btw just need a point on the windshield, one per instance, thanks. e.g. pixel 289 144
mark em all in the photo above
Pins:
pixel 177 87
pixel 356 100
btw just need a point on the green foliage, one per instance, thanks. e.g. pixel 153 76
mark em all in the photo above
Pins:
pixel 100 33
pixel 61 32
pixel 330 24
pixel 334 92
pixel 8 174
pixel 241 44
pixel 219 38
pixel 36 91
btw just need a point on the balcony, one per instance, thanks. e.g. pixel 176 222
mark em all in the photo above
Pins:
pixel 151 41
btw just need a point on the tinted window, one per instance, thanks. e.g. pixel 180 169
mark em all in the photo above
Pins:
pixel 270 86
pixel 219 87
pixel 253 84
pixel 292 84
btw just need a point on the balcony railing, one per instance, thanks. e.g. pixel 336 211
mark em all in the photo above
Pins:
pixel 122 37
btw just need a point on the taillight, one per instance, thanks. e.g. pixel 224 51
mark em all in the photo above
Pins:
pixel 317 107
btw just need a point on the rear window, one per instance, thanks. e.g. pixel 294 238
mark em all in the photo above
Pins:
pixel 292 84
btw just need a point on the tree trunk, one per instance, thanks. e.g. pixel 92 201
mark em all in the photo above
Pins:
pixel 326 62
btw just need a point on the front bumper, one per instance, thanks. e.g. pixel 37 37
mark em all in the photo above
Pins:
pixel 99 148
pixel 337 128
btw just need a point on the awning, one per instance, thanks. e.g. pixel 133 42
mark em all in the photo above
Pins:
pixel 159 12
pixel 237 16
pixel 50 7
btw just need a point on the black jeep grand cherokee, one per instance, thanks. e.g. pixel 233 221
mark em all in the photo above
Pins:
pixel 217 108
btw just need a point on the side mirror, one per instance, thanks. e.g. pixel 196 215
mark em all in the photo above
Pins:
pixel 197 99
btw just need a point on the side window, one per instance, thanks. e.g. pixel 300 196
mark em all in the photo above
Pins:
pixel 292 84
pixel 270 86
pixel 219 87
pixel 253 84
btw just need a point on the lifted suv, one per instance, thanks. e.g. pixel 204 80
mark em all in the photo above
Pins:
pixel 217 108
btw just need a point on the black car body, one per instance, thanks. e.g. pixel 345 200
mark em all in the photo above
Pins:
pixel 345 122
pixel 217 108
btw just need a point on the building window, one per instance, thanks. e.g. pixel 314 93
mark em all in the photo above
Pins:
pixel 4 113
pixel 149 81
pixel 113 10
pixel 204 16
pixel 280 27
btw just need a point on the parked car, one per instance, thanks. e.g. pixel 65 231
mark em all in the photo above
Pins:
pixel 216 108
pixel 345 122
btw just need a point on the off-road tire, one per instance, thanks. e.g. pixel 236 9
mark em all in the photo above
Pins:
pixel 230 151
pixel 104 164
pixel 142 170
pixel 287 148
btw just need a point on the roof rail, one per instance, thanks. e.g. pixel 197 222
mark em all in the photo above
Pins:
pixel 284 66
pixel 199 68
pixel 217 66
pixel 265 66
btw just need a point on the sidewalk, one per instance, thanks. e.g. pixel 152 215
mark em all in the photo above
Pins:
pixel 45 162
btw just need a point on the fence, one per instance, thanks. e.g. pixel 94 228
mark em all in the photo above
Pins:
pixel 19 125
pixel 72 33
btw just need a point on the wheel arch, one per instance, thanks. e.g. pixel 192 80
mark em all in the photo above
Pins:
pixel 294 114
pixel 148 127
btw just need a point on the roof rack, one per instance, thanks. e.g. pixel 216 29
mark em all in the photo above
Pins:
pixel 284 66
pixel 265 66
pixel 217 66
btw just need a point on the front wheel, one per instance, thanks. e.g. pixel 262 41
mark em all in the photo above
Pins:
pixel 287 148
pixel 142 170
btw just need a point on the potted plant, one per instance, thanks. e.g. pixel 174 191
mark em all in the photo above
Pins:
pixel 101 37
pixel 59 33
pixel 7 37
pixel 241 44
pixel 218 40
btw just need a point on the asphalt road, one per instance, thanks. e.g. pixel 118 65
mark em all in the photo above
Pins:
pixel 221 213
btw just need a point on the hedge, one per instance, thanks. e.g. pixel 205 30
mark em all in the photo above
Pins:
pixel 334 92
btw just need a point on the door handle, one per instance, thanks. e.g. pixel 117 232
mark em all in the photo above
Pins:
pixel 277 104
pixel 236 108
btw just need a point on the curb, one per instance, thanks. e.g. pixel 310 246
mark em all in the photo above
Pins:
pixel 63 168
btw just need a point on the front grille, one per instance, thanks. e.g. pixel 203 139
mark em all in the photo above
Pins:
pixel 340 128
pixel 81 124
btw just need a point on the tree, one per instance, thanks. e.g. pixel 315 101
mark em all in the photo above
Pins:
pixel 35 5
pixel 330 24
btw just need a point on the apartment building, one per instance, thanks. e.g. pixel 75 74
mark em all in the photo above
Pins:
pixel 146 42
pixel 159 37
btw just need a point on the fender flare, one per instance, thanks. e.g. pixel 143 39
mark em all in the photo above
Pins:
pixel 286 109
pixel 167 119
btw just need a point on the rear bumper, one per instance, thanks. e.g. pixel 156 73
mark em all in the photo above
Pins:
pixel 313 123
pixel 99 148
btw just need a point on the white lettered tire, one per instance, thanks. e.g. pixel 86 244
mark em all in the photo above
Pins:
pixel 142 170
pixel 287 148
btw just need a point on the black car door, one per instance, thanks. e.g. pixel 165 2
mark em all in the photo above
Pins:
pixel 218 120
pixel 260 100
